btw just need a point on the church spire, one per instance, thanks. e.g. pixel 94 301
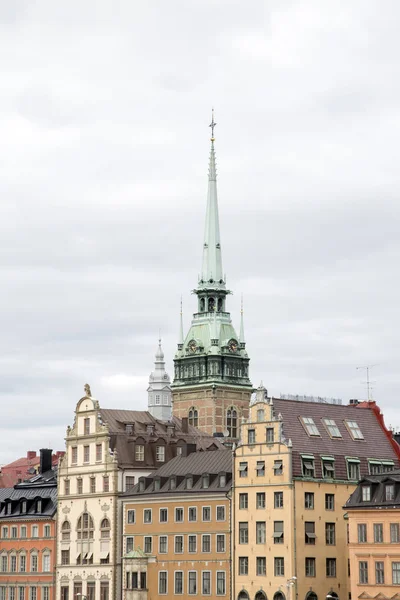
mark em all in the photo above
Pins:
pixel 211 272
pixel 159 390
pixel 241 334
pixel 181 339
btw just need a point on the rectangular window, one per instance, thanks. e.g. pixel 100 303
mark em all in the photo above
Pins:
pixel 14 532
pixel 74 455
pixel 32 593
pixel 260 500
pixel 260 468
pixel 64 592
pixel 220 513
pixel 65 557
pixel 163 544
pixel 362 533
pixel 261 566
pixel 366 493
pixel 243 469
pixel 363 571
pixel 162 582
pixel 330 534
pixel 206 543
pixel 279 566
pixel 92 485
pixel 34 563
pixel 278 467
pixel 278 499
pixel 21 593
pixel 394 533
pixel 261 532
pixel 106 483
pixel 243 501
pixel 251 436
pixel 66 487
pixel 353 470
pixel 243 565
pixel 310 426
pixel 148 544
pixel 179 515
pixel 332 428
pixel 86 454
pixel 396 573
pixel 3 592
pixel 47 531
pixel 11 593
pixel 379 572
pixel 129 483
pixel 328 469
pixel 331 567
pixel 4 563
pixel 79 484
pixel 35 531
pixel 270 435
pixel 160 454
pixel 354 430
pixel 13 563
pixel 221 586
pixel 22 563
pixel 278 532
pixel 310 567
pixel 104 590
pixel 131 516
pixel 192 543
pixel 243 533
pixel 23 531
pixel 46 563
pixel 129 544
pixel 178 544
pixel 389 492
pixel 99 453
pixel 309 500
pixel 192 582
pixel 163 515
pixel 192 513
pixel 91 590
pixel 139 452
pixel 309 529
pixel 308 467
pixel 86 427
pixel 378 533
pixel 220 542
pixel 178 587
pixel 147 515
pixel 206 513
pixel 206 583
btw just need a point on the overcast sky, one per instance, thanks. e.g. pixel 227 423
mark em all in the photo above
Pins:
pixel 104 113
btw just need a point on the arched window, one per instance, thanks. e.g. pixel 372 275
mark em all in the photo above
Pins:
pixel 231 422
pixel 202 304
pixel 105 529
pixel 219 304
pixel 193 417
pixel 260 595
pixel 66 531
pixel 260 415
pixel 85 527
pixel 211 304
pixel 279 596
pixel 243 595
pixel 311 596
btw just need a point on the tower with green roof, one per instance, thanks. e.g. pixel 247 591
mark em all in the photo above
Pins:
pixel 211 380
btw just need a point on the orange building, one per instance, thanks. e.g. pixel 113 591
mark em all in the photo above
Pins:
pixel 28 536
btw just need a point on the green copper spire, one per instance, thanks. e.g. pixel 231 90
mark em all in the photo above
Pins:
pixel 241 334
pixel 211 271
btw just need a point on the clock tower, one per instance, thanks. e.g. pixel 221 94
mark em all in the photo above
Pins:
pixel 211 377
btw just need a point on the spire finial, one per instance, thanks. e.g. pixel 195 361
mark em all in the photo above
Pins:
pixel 241 335
pixel 212 125
pixel 180 343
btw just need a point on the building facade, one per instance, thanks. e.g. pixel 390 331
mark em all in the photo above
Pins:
pixel 211 367
pixel 176 530
pixel 374 537
pixel 295 467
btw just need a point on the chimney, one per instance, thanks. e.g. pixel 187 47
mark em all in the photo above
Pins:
pixel 46 461
pixel 31 454
pixel 185 425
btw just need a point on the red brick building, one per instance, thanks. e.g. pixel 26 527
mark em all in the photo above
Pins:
pixel 23 468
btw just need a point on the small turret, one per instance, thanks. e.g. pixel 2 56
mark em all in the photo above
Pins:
pixel 159 390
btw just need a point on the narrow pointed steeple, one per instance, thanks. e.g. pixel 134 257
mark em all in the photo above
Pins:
pixel 241 334
pixel 159 390
pixel 211 271
pixel 181 338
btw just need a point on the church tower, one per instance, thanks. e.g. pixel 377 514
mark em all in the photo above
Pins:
pixel 211 381
pixel 159 390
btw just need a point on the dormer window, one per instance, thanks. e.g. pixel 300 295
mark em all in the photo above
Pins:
pixel 328 467
pixel 129 428
pixel 189 482
pixel 150 429
pixel 222 480
pixel 332 428
pixel 308 466
pixel 9 508
pixel 205 481
pixel 366 493
pixel 39 506
pixel 310 426
pixel 354 430
pixel 389 492
pixel 172 483
pixel 23 506
pixel 141 485
pixel 157 484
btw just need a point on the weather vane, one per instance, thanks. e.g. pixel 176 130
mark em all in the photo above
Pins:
pixel 212 125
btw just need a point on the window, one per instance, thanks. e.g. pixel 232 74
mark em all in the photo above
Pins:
pixel 378 533
pixel 353 469
pixel 22 563
pixel 129 544
pixel 366 493
pixel 85 527
pixel 194 417
pixel 243 501
pixel 251 436
pixel 220 513
pixel 23 506
pixel 163 515
pixel 160 453
pixel 260 532
pixel 309 500
pixel 45 593
pixel 206 543
pixel 21 594
pixel 278 499
pixel 131 516
pixel 260 415
pixel 205 481
pixel 14 532
pixel 4 563
pixel 104 590
pixel 86 454
pixel 79 484
pixel 106 483
pixel 47 531
pixel 222 480
pixel 192 582
pixel 243 532
pixel 379 572
pixel 105 529
pixel 139 452
pixel 243 565
pixel 260 500
pixel 23 531
pixel 330 534
pixel 74 455
pixel 231 422
pixel 354 430
pixel 260 468
pixel 46 563
pixel 34 563
pixel 35 531
pixel 310 426
pixel 363 571
pixel 394 533
pixel 206 583
pixel 158 399
pixel 221 583
pixel 11 593
pixel 329 501
pixel 189 482
pixel 99 453
pixel 192 513
pixel 206 513
pixel 162 582
pixel 178 544
pixel 332 428
pixel 178 585
pixel 331 567
pixel 389 492
pixel 362 533
pixel 270 435
pixel 308 466
pixel 179 515
pixel 243 469
pixel 148 544
pixel 328 468
pixel 66 487
pixel 279 566
pixel 86 426
pixel 192 543
pixel 396 572
pixel 310 567
pixel 4 532
pixel 278 467
pixel 65 557
pixel 220 542
pixel 13 564
pixel 278 532
pixel 32 593
pixel 309 529
pixel 261 566
pixel 147 516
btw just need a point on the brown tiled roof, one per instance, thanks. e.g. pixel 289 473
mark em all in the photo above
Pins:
pixel 378 495
pixel 124 442
pixel 376 443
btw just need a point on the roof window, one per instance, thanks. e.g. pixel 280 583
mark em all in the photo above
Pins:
pixel 332 428
pixel 354 430
pixel 310 426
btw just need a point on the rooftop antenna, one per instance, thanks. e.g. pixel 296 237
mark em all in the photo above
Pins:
pixel 368 382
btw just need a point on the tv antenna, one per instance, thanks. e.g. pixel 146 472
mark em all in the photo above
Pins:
pixel 368 382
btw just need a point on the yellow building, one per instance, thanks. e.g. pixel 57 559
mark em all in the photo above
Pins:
pixel 374 537
pixel 176 529
pixel 294 469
